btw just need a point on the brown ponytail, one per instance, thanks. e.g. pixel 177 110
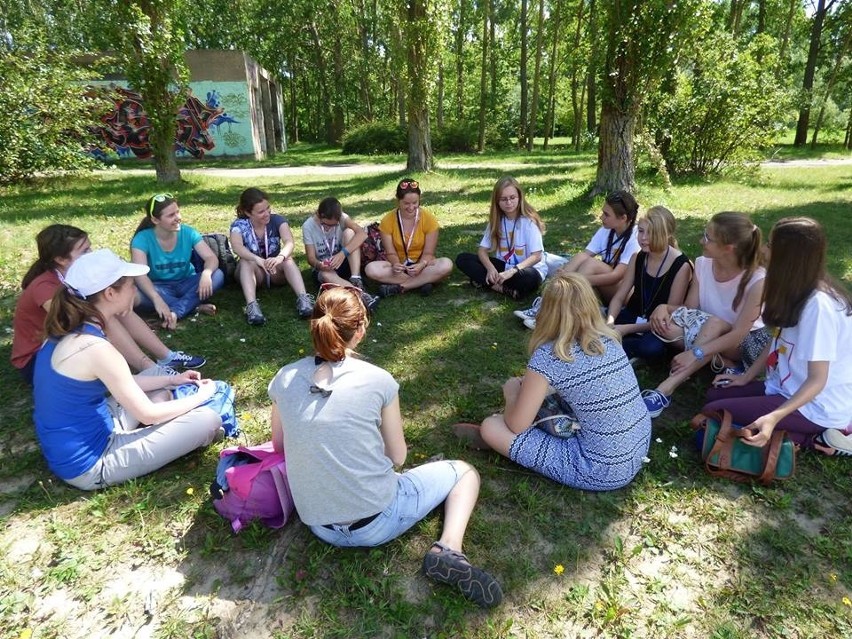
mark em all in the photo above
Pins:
pixel 68 312
pixel 338 314
pixel 737 230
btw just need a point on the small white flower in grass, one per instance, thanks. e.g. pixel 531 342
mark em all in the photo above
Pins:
pixel 659 440
pixel 672 454
pixel 242 339
pixel 192 320
pixel 674 449
pixel 646 460
pixel 378 323
pixel 8 330
pixel 168 336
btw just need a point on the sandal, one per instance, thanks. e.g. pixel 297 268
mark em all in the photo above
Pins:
pixel 451 567
pixel 471 435
pixel 834 443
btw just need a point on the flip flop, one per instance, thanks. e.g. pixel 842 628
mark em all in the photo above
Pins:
pixel 469 433
pixel 452 567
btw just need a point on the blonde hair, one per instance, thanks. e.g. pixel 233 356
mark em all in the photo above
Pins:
pixel 661 228
pixel 338 314
pixel 495 215
pixel 570 313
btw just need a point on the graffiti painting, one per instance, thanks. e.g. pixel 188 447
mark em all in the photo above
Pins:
pixel 125 129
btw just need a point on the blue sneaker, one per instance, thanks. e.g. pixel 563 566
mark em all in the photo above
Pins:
pixel 529 313
pixel 655 402
pixel 185 360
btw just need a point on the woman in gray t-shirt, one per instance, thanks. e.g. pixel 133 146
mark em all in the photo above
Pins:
pixel 339 420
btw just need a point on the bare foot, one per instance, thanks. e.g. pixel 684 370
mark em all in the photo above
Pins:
pixel 206 309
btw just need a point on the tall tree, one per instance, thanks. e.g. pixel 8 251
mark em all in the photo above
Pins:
pixel 592 72
pixel 483 76
pixel 642 40
pixel 522 125
pixel 551 81
pixel 802 124
pixel 539 45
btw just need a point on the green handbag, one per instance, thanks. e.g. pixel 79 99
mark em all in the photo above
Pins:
pixel 726 455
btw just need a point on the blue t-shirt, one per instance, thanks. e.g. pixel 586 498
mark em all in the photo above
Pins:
pixel 270 245
pixel 72 420
pixel 172 265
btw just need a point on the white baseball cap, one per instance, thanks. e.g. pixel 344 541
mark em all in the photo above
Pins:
pixel 96 271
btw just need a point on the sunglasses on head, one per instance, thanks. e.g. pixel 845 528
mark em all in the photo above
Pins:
pixel 158 199
pixel 409 184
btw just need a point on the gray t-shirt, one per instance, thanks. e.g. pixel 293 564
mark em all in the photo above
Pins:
pixel 325 243
pixel 336 461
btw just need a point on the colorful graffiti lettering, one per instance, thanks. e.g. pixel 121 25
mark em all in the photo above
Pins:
pixel 125 129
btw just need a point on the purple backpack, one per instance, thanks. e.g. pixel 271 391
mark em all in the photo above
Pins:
pixel 251 483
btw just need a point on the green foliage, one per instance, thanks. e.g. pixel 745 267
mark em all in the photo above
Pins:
pixel 44 110
pixel 456 136
pixel 375 137
pixel 724 107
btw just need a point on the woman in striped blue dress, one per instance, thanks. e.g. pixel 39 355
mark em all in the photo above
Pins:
pixel 578 355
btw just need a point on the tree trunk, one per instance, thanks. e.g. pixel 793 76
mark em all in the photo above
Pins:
pixel 847 142
pixel 832 80
pixel 539 43
pixel 591 73
pixel 483 76
pixel 761 16
pixel 335 133
pixel 551 81
pixel 576 98
pixel 522 125
pixel 439 112
pixel 294 108
pixel 615 151
pixel 492 61
pixel 420 156
pixel 460 33
pixel 808 83
pixel 366 55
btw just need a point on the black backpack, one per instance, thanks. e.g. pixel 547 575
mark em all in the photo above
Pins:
pixel 221 247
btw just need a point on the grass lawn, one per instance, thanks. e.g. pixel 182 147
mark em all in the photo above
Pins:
pixel 676 554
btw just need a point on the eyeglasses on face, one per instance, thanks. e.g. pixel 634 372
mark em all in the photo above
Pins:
pixel 508 199
pixel 158 199
pixel 328 224
pixel 409 184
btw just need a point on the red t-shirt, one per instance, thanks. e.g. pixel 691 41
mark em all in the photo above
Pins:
pixel 29 317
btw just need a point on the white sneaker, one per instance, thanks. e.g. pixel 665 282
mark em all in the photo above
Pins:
pixel 530 323
pixel 529 313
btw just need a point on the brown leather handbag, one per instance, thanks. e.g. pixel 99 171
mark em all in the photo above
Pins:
pixel 726 455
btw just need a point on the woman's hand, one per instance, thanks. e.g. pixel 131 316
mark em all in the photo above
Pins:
pixel 187 377
pixel 399 268
pixel 271 263
pixel 681 361
pixel 506 275
pixel 416 269
pixel 165 313
pixel 206 389
pixel 761 431
pixel 511 390
pixel 205 285
pixel 491 275
pixel 727 381
pixel 661 320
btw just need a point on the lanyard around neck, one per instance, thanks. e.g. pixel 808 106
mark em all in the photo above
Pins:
pixel 657 284
pixel 510 251
pixel 406 245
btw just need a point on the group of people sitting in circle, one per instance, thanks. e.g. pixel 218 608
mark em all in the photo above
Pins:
pixel 767 318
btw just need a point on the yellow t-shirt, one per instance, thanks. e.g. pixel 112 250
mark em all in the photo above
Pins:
pixel 426 223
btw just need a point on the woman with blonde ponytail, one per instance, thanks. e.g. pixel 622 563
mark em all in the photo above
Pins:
pixel 338 418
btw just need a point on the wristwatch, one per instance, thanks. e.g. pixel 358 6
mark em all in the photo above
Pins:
pixel 699 354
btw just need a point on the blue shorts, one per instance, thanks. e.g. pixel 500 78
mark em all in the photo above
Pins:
pixel 418 492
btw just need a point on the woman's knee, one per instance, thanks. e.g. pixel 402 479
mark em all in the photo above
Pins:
pixel 443 266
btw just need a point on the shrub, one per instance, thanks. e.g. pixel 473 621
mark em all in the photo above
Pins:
pixel 376 137
pixel 456 136
pixel 723 106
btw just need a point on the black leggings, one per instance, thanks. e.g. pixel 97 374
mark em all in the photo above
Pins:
pixel 521 284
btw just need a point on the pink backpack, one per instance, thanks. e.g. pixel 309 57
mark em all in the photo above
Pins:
pixel 251 483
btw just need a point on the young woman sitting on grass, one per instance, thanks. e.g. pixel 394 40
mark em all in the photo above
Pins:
pixel 333 247
pixel 338 419
pixel 58 246
pixel 88 406
pixel 720 323
pixel 614 243
pixel 173 289
pixel 410 239
pixel 514 234
pixel 808 386
pixel 263 242
pixel 658 274
pixel 578 355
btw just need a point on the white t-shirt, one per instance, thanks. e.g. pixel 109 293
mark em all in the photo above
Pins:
pixel 717 298
pixel 823 334
pixel 326 243
pixel 598 246
pixel 518 240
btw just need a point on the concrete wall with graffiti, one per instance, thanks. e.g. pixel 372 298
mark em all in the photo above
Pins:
pixel 233 109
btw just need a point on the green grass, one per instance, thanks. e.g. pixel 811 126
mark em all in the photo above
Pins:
pixel 676 554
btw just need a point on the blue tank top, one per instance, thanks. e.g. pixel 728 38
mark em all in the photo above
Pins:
pixel 72 421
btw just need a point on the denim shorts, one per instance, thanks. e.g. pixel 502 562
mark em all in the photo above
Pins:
pixel 418 492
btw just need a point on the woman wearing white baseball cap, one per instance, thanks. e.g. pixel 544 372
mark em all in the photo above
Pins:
pixel 91 440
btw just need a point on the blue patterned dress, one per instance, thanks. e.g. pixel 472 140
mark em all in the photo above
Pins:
pixel 615 428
